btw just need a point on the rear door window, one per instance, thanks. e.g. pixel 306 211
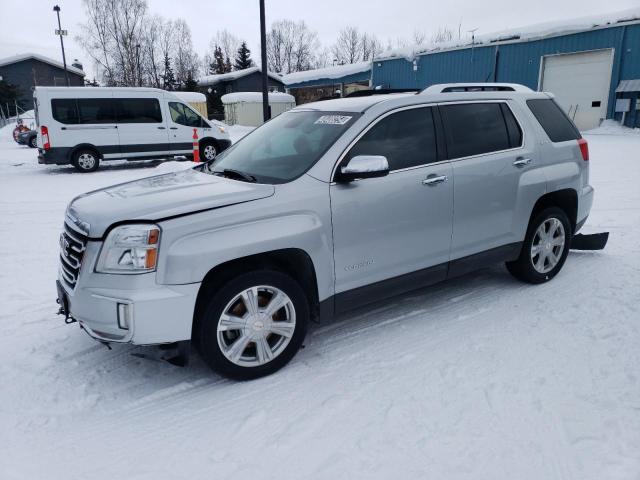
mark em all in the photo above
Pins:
pixel 96 110
pixel 65 110
pixel 475 129
pixel 553 120
pixel 406 138
pixel 138 110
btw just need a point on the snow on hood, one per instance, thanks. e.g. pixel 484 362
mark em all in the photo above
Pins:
pixel 162 196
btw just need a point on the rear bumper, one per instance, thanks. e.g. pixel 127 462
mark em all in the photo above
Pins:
pixel 585 201
pixel 54 156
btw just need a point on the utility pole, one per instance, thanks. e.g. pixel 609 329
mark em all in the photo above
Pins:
pixel 61 33
pixel 263 51
pixel 138 62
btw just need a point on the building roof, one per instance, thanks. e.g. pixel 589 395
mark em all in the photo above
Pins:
pixel 190 97
pixel 521 34
pixel 629 86
pixel 228 77
pixel 256 97
pixel 337 71
pixel 36 56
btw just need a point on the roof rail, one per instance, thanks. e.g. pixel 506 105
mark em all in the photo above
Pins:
pixel 476 87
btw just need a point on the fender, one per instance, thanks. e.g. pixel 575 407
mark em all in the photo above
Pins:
pixel 72 151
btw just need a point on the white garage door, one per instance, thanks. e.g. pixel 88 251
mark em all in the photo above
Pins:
pixel 580 82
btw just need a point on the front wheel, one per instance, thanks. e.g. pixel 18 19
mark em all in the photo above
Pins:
pixel 545 247
pixel 253 325
pixel 208 151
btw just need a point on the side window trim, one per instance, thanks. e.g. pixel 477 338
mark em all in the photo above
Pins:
pixel 499 101
pixel 440 155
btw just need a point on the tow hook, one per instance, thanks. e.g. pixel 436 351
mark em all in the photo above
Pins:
pixel 68 319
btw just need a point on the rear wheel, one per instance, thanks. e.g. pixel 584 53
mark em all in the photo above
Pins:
pixel 253 325
pixel 545 247
pixel 86 160
pixel 33 142
pixel 208 151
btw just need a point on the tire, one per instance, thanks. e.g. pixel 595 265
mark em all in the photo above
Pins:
pixel 540 267
pixel 33 142
pixel 225 320
pixel 208 151
pixel 86 160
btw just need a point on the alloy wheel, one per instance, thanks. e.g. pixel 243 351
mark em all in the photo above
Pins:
pixel 548 245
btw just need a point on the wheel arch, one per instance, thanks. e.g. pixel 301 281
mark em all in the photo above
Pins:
pixel 82 146
pixel 295 262
pixel 566 199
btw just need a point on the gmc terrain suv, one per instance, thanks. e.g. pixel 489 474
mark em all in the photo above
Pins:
pixel 326 207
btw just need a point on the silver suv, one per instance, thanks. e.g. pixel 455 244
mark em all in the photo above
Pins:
pixel 327 207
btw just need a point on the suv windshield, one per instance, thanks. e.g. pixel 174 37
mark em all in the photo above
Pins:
pixel 283 148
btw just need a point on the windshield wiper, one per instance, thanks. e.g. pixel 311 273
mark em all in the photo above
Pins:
pixel 238 175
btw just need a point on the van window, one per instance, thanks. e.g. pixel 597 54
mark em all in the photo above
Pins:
pixel 183 115
pixel 96 110
pixel 407 138
pixel 553 120
pixel 65 110
pixel 474 129
pixel 138 110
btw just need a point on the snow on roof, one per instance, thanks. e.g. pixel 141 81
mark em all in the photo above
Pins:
pixel 191 97
pixel 27 56
pixel 337 71
pixel 256 97
pixel 629 86
pixel 531 32
pixel 226 77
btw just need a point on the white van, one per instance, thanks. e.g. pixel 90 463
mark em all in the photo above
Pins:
pixel 83 125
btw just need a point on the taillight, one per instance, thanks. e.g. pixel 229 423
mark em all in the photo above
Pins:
pixel 584 149
pixel 44 131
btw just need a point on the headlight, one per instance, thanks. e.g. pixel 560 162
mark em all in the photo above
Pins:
pixel 222 130
pixel 130 249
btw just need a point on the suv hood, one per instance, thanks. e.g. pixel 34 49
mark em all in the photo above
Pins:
pixel 159 197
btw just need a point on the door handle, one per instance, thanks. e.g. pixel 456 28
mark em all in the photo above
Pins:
pixel 433 179
pixel 521 162
pixel 161 128
pixel 173 128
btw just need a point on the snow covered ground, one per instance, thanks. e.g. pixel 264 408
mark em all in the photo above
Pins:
pixel 477 378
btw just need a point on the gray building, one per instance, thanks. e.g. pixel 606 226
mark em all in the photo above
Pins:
pixel 29 70
pixel 247 80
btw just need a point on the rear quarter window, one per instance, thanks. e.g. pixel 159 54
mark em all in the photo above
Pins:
pixel 553 120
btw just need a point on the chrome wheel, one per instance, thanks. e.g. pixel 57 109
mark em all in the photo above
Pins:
pixel 86 161
pixel 256 326
pixel 548 245
pixel 209 152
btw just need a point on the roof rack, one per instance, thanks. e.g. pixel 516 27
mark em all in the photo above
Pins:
pixel 380 91
pixel 476 87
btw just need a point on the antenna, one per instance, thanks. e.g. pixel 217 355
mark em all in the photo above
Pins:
pixel 473 40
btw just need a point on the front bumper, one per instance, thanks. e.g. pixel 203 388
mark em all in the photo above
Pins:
pixel 154 313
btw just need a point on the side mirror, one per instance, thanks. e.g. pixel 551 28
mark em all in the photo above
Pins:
pixel 363 166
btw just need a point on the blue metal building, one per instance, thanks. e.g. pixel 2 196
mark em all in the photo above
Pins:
pixel 338 80
pixel 591 62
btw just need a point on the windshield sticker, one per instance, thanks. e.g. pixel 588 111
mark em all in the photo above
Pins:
pixel 333 119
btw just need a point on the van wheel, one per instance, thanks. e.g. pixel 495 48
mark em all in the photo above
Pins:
pixel 86 160
pixel 208 151
pixel 545 247
pixel 253 325
pixel 33 142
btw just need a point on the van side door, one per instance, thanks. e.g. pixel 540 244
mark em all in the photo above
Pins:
pixel 393 233
pixel 142 128
pixel 182 120
pixel 496 179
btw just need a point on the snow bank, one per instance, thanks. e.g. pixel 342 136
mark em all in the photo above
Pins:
pixel 337 71
pixel 531 32
pixel 611 127
pixel 256 97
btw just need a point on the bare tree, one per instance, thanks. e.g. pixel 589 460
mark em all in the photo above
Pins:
pixel 348 46
pixel 291 46
pixel 186 59
pixel 419 37
pixel 444 34
pixel 227 42
pixel 371 46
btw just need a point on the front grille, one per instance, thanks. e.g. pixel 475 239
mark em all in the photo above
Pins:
pixel 72 246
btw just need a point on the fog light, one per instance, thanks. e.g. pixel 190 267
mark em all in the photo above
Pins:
pixel 124 315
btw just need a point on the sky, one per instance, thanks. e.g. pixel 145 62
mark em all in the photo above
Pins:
pixel 28 26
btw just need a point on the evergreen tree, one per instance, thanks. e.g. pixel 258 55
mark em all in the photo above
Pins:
pixel 218 60
pixel 243 57
pixel 168 79
pixel 190 84
pixel 227 65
